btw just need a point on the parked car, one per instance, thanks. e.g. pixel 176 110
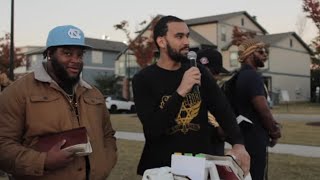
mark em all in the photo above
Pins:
pixel 119 104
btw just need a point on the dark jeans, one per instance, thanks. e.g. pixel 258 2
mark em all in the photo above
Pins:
pixel 256 141
pixel 87 168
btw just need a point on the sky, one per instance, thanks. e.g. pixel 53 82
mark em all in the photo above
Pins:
pixel 33 19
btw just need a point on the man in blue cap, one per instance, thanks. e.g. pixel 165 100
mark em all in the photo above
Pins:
pixel 52 99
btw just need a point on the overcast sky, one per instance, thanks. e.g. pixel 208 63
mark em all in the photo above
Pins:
pixel 34 18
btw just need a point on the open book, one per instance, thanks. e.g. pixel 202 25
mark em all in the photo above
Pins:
pixel 227 168
pixel 77 141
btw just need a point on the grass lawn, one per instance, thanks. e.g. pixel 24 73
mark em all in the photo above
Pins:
pixel 282 167
pixel 297 108
pixel 293 132
pixel 298 132
pixel 126 122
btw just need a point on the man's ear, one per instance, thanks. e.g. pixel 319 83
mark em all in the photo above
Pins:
pixel 49 54
pixel 162 42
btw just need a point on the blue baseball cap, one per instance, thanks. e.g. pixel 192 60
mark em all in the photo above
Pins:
pixel 67 35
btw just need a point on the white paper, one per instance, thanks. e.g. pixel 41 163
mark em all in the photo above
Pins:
pixel 241 118
pixel 80 149
pixel 193 167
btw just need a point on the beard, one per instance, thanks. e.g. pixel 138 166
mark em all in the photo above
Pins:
pixel 258 62
pixel 62 74
pixel 176 56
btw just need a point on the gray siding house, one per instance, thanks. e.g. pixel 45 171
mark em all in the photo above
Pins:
pixel 288 66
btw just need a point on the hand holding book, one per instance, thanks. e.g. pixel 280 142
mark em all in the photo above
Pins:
pixel 57 158
pixel 241 157
pixel 76 141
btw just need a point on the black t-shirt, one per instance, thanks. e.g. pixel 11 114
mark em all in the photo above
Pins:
pixel 249 84
pixel 172 123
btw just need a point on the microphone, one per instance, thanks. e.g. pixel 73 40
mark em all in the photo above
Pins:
pixel 192 56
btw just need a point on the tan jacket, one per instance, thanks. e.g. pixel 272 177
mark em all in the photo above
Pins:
pixel 35 105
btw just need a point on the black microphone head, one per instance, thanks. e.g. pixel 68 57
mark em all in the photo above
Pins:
pixel 192 55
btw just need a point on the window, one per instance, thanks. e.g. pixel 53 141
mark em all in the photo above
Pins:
pixel 223 34
pixel 96 57
pixel 291 43
pixel 234 59
pixel 242 22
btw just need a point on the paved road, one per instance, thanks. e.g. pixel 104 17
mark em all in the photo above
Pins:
pixel 299 150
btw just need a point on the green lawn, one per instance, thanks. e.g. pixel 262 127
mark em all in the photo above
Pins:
pixel 281 166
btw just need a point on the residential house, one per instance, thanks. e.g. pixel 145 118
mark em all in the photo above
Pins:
pixel 288 68
pixel 97 61
pixel 126 65
pixel 22 70
pixel 218 29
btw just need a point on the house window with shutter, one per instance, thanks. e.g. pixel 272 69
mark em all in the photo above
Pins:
pixel 234 59
pixel 242 22
pixel 291 43
pixel 223 34
pixel 96 57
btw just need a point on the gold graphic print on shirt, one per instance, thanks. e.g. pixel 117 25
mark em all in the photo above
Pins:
pixel 188 111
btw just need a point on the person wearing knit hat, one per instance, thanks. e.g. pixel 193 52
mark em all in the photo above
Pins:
pixel 248 47
pixel 260 130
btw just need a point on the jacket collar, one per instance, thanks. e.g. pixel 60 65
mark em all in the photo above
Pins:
pixel 42 75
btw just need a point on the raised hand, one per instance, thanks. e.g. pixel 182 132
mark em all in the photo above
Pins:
pixel 191 77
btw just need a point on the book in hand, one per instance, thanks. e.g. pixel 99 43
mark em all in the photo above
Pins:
pixel 77 141
pixel 227 167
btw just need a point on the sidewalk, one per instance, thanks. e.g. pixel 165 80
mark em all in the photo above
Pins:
pixel 298 150
pixel 297 117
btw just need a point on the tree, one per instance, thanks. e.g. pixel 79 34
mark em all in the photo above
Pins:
pixel 301 24
pixel 108 84
pixel 142 46
pixel 5 55
pixel 239 36
pixel 312 8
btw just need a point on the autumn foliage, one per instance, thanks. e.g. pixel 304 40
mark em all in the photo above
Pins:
pixel 142 46
pixel 239 36
pixel 5 55
pixel 312 8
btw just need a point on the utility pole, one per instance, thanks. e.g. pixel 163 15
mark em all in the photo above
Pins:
pixel 11 75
